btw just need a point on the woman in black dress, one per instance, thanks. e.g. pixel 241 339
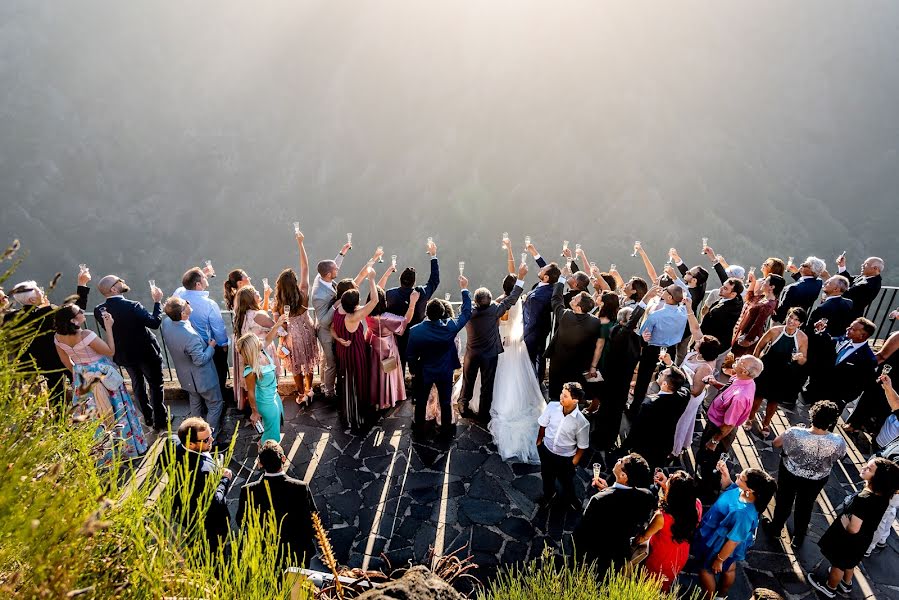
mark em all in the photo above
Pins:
pixel 846 540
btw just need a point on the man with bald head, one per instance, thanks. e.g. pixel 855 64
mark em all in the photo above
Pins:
pixel 137 349
pixel 864 288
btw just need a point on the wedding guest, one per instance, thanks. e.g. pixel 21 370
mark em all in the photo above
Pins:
pixel 388 385
pixel 652 433
pixel 286 499
pixel 733 271
pixel 846 367
pixel 353 366
pixel 723 314
pixel 614 515
pixel 663 327
pixel 633 291
pixel 563 437
pixel 323 302
pixel 805 291
pixel 846 540
pixel 191 452
pixel 609 305
pixel 398 298
pixel 865 287
pixel 889 431
pixel 138 350
pixel 728 410
pixel 783 350
pixel 728 529
pixel 99 390
pixel 809 454
pixel 484 345
pixel 207 322
pixel 193 359
pixel 36 314
pixel 249 317
pixel 577 345
pixel 262 382
pixel 873 408
pixel 757 310
pixel 292 299
pixel 672 527
pixel 695 280
pixel 835 307
pixel 236 280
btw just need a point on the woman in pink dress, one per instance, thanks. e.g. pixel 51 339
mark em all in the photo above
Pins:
pixel 299 348
pixel 387 388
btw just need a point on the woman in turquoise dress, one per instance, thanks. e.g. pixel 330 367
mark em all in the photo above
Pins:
pixel 262 382
pixel 99 390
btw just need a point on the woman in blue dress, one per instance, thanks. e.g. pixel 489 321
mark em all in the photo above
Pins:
pixel 261 377
pixel 727 530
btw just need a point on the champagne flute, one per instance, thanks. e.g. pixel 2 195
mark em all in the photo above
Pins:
pixel 393 261
pixel 152 283
pixel 82 267
pixel 265 283
pixel 705 244
pixel 287 310
pixel 209 266
pixel 886 369
pixel 637 247
pixel 296 228
pixel 461 268
pixel 789 261
pixel 349 238
pixel 380 254
pixel 527 241
pixel 430 241
pixel 564 246
pixel 725 457
pixel 597 471
pixel 524 257
pixel 505 240
pixel 613 267
pixel 593 268
pixel 447 296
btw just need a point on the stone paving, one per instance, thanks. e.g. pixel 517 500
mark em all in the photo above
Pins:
pixel 380 493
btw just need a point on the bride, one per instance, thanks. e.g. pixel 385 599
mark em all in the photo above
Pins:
pixel 517 399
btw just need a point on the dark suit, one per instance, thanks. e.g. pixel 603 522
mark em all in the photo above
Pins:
pixel 625 345
pixel 42 349
pixel 291 502
pixel 721 272
pixel 611 519
pixel 838 312
pixel 842 382
pixel 483 350
pixel 803 294
pixel 196 469
pixel 537 317
pixel 137 350
pixel 433 357
pixel 652 434
pixel 572 347
pixel 862 291
pixel 398 303
pixel 721 320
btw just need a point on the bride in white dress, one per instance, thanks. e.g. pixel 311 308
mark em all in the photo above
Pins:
pixel 517 399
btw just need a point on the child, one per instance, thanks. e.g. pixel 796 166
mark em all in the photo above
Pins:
pixel 564 435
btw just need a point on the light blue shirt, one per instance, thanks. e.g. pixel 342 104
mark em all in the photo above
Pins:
pixel 666 325
pixel 205 316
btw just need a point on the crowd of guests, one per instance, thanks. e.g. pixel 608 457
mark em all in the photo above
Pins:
pixel 632 366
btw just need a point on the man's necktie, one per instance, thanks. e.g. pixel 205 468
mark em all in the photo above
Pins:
pixel 844 352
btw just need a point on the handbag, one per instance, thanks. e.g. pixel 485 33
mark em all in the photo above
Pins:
pixel 389 364
pixel 112 379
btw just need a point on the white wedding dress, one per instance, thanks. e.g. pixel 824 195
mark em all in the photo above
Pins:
pixel 517 399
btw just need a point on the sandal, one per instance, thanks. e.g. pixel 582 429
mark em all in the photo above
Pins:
pixel 766 431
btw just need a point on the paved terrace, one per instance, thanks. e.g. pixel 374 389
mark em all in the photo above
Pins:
pixel 380 493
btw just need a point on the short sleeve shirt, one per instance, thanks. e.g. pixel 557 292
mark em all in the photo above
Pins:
pixel 564 433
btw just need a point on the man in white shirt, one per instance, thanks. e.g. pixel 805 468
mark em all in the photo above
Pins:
pixel 563 436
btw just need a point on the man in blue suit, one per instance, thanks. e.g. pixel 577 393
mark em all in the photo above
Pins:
pixel 433 357
pixel 805 291
pixel 137 350
pixel 537 313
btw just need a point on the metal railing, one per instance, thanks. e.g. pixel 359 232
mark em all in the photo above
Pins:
pixel 878 312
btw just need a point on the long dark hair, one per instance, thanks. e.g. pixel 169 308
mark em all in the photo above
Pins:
pixel 610 304
pixel 288 293
pixel 231 286
pixel 680 503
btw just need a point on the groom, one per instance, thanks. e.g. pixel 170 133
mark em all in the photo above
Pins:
pixel 485 346
pixel 537 312
pixel 432 357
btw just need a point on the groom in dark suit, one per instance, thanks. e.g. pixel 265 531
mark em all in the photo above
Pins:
pixel 432 358
pixel 484 345
pixel 537 312
pixel 137 349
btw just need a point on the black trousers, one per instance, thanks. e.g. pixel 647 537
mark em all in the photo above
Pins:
pixel 486 366
pixel 444 395
pixel 871 411
pixel 800 490
pixel 649 359
pixel 57 385
pixel 220 360
pixel 538 361
pixel 554 467
pixel 148 373
pixel 707 460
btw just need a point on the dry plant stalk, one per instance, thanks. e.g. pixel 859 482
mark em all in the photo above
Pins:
pixel 324 544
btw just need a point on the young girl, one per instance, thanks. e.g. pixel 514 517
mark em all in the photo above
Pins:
pixel 846 540
pixel 262 382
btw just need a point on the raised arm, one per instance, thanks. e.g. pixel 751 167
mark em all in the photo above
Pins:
pixel 889 347
pixel 537 258
pixel 892 396
pixel 382 283
pixel 513 297
pixel 359 314
pixel 154 320
pixel 557 301
pixel 650 270
pixel 434 278
pixel 678 262
pixel 106 348
pixel 304 265
pixel 273 332
pixel 510 258
pixel 692 321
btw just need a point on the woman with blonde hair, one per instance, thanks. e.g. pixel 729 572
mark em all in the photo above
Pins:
pixel 262 382
pixel 249 317
pixel 299 350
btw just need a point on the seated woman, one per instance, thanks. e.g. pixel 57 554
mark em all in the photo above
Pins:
pixel 99 388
